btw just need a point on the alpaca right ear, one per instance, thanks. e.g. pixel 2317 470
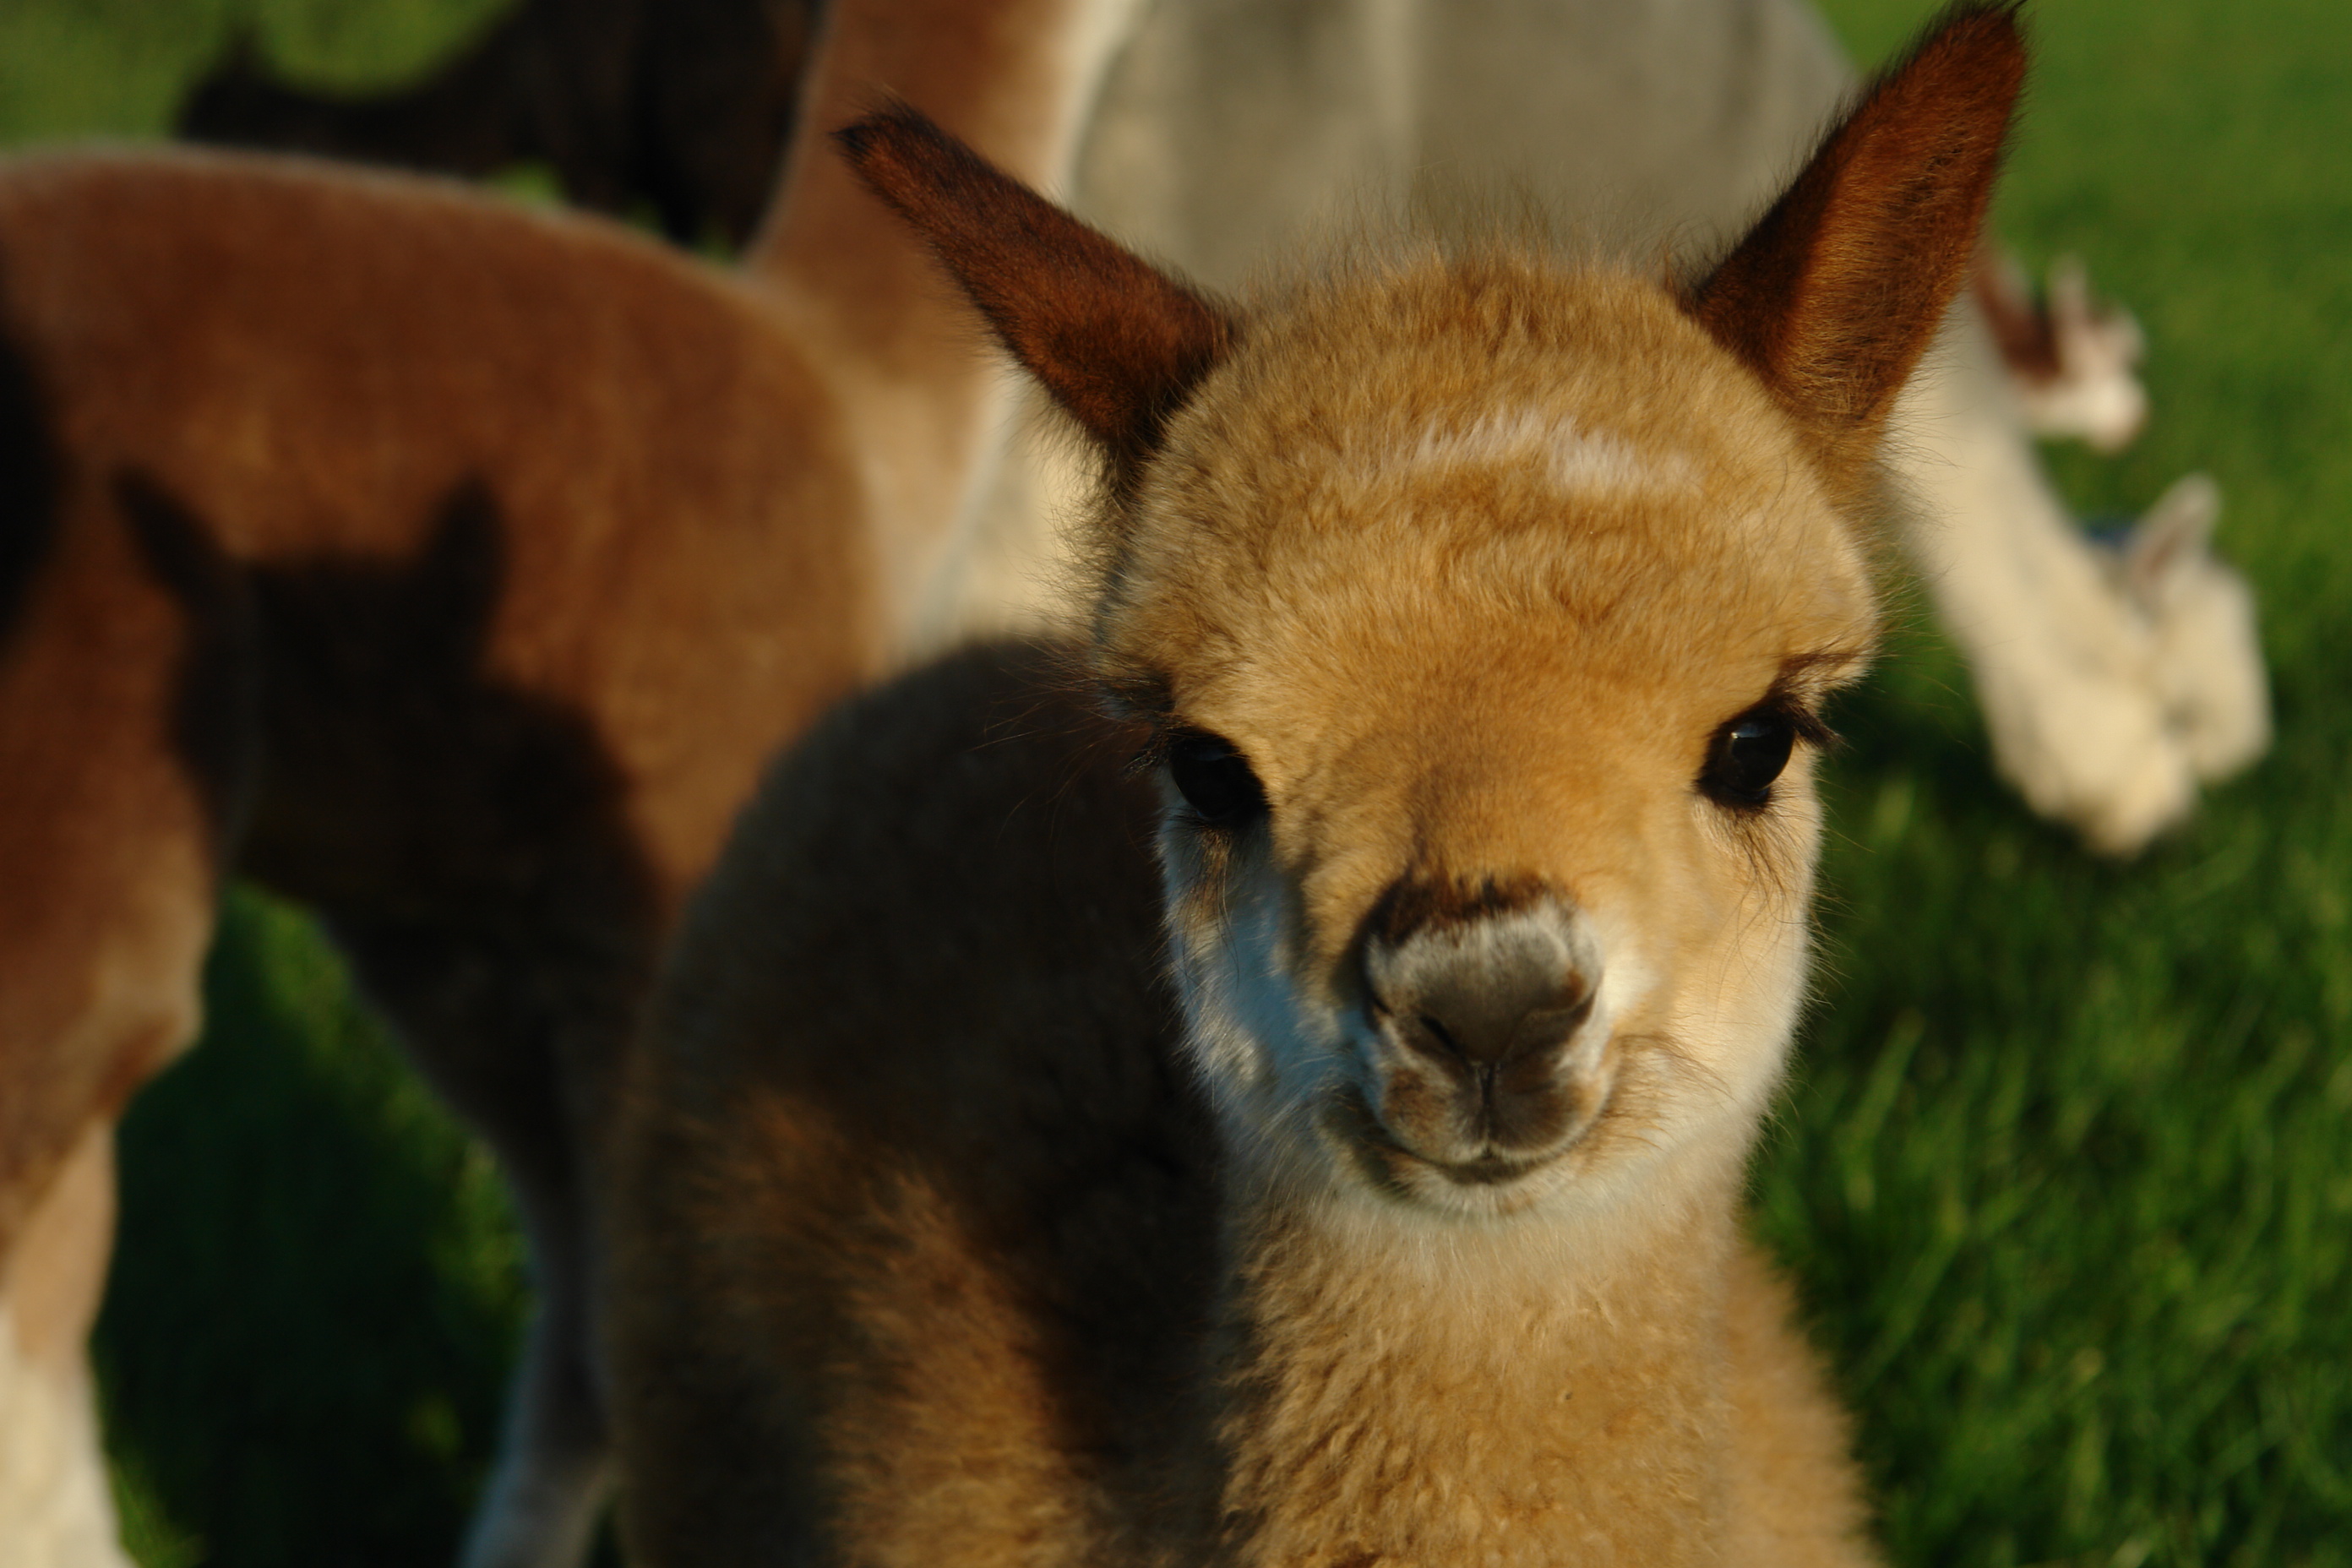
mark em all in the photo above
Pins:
pixel 1117 343
pixel 1834 294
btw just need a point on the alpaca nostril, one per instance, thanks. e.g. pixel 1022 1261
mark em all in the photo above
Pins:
pixel 1431 1038
pixel 1545 1030
pixel 1427 1029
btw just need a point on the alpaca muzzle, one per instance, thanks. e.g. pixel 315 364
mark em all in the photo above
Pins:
pixel 1485 1016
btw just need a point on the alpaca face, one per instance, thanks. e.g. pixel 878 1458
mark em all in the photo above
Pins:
pixel 1485 614
pixel 1480 609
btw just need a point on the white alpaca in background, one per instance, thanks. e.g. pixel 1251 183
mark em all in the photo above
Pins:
pixel 2113 676
pixel 1229 128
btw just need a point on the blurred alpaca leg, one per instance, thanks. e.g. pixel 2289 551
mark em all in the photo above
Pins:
pixel 54 1497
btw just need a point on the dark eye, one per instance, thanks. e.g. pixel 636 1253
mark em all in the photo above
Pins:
pixel 1747 756
pixel 1214 780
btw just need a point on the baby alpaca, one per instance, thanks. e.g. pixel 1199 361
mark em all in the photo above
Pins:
pixel 1226 132
pixel 1471 615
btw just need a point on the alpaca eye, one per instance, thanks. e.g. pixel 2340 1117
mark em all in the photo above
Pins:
pixel 1214 780
pixel 1748 754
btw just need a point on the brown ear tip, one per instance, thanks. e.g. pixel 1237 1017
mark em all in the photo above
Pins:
pixel 1996 30
pixel 1976 18
pixel 896 126
pixel 856 139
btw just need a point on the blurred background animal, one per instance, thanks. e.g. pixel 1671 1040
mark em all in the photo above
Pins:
pixel 1294 112
pixel 2075 360
pixel 451 568
pixel 683 111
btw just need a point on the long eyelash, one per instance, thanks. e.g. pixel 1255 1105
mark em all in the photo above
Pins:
pixel 1811 728
pixel 1803 722
pixel 1801 693
pixel 1165 731
pixel 1783 703
pixel 1150 753
pixel 1144 706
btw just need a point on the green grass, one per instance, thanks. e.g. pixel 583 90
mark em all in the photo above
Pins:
pixel 116 68
pixel 319 1285
pixel 2065 1174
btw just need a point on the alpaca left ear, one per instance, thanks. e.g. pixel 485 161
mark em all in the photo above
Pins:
pixel 1837 290
pixel 1117 343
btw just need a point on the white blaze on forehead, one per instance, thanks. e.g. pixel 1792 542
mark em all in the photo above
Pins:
pixel 1572 458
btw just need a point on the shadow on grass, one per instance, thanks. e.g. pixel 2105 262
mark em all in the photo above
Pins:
pixel 318 1288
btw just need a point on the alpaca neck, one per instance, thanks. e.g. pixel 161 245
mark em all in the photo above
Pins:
pixel 1507 1393
pixel 1016 78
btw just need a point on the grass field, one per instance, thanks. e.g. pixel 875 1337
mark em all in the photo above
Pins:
pixel 2065 1174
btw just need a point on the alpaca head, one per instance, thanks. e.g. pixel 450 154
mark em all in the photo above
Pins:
pixel 1481 611
pixel 2073 360
pixel 2092 390
pixel 1484 615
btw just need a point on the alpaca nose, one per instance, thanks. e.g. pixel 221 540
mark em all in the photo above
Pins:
pixel 1504 988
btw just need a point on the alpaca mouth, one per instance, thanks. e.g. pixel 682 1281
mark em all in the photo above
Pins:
pixel 1487 1171
pixel 1490 1170
pixel 1396 1168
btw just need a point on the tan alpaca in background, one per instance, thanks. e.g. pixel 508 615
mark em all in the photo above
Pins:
pixel 1228 129
pixel 452 568
pixel 1472 611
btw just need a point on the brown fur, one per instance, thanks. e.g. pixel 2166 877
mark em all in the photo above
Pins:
pixel 191 317
pixel 919 1251
pixel 945 1238
pixel 326 604
pixel 890 337
pixel 1140 329
pixel 799 1190
pixel 451 567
